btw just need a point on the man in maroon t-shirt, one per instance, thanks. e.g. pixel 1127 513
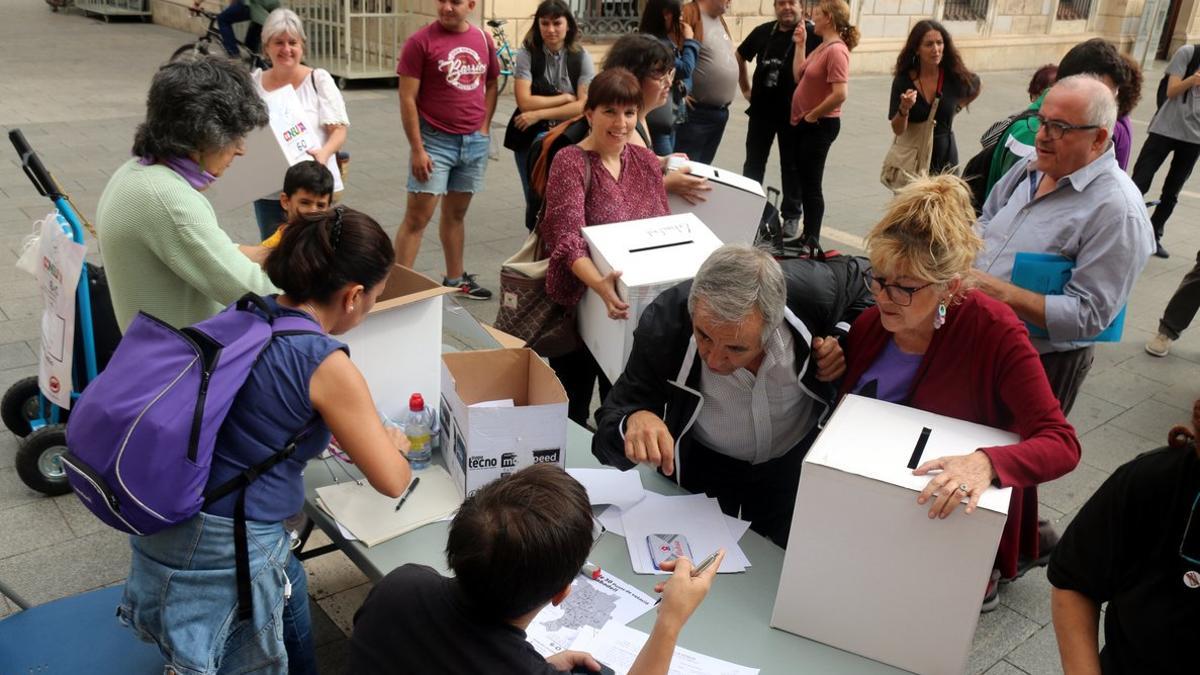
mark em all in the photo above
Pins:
pixel 448 75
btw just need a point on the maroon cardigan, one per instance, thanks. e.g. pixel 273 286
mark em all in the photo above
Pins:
pixel 980 367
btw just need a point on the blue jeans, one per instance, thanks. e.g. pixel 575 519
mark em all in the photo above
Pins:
pixel 700 136
pixel 663 144
pixel 270 215
pixel 182 595
pixel 238 12
pixel 297 623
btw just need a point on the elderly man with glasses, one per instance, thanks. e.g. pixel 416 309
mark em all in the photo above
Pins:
pixel 728 376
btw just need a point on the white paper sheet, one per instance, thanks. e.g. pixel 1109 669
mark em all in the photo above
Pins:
pixel 610 486
pixel 610 518
pixel 617 646
pixel 372 518
pixel 696 517
pixel 591 604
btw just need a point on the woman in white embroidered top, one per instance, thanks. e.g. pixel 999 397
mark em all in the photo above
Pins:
pixel 322 107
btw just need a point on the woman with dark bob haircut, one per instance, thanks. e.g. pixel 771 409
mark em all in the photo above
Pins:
pixel 164 252
pixel 929 68
pixel 182 590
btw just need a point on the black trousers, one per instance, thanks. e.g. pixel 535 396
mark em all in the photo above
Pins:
pixel 813 141
pixel 579 372
pixel 760 134
pixel 1183 305
pixel 764 494
pixel 1154 153
pixel 1066 372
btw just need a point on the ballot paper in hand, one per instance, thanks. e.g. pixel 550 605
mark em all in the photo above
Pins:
pixel 373 519
pixel 696 517
pixel 592 603
pixel 610 486
pixel 617 647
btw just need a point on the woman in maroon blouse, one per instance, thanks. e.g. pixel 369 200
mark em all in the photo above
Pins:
pixel 932 343
pixel 603 179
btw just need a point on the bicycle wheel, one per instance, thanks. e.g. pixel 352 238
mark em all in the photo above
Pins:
pixel 189 48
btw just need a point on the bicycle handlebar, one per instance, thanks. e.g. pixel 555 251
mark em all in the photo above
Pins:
pixel 32 165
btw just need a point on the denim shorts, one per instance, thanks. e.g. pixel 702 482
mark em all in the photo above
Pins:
pixel 459 161
pixel 182 595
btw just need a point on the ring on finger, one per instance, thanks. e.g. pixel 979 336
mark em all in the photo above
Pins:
pixel 964 488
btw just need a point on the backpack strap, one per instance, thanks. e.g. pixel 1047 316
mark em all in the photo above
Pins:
pixel 575 69
pixel 1193 65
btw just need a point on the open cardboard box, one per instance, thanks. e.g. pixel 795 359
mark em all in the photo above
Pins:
pixel 398 346
pixel 866 570
pixel 482 437
pixel 732 210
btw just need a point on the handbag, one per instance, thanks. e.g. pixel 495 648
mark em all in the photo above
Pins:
pixel 526 310
pixel 911 151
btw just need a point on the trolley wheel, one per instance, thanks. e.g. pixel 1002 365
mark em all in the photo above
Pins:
pixel 20 406
pixel 39 460
pixel 342 83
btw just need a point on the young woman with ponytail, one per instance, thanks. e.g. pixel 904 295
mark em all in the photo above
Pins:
pixel 821 89
pixel 181 592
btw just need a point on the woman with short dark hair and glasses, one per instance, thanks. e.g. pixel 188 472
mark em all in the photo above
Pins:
pixel 932 343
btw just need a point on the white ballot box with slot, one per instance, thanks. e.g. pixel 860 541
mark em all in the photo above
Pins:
pixel 653 255
pixel 398 346
pixel 501 410
pixel 866 570
pixel 732 210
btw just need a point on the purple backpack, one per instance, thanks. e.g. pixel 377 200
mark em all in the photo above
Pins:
pixel 140 438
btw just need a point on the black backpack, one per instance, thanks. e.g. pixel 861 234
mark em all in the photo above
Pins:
pixel 1160 96
pixel 976 170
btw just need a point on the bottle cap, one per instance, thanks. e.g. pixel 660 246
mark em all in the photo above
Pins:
pixel 416 402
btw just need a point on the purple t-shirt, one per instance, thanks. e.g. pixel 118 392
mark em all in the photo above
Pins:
pixel 1123 141
pixel 890 377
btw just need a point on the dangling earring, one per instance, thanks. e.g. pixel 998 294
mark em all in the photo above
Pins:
pixel 940 319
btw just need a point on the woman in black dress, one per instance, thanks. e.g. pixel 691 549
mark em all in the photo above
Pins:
pixel 930 67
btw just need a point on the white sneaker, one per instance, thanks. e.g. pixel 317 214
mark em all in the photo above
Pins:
pixel 1159 345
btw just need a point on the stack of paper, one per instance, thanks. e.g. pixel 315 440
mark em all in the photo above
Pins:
pixel 610 486
pixel 696 517
pixel 617 647
pixel 372 518
pixel 592 603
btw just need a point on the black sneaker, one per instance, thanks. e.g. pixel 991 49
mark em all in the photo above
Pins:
pixel 1160 252
pixel 467 286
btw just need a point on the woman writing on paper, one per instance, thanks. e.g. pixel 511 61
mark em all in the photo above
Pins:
pixel 603 179
pixel 322 108
pixel 182 590
pixel 934 344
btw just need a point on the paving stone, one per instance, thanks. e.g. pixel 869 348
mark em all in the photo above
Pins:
pixel 1090 412
pixel 12 491
pixel 1151 419
pixel 332 657
pixel 330 573
pixel 1067 493
pixel 30 526
pixel 1029 596
pixel 998 633
pixel 341 606
pixel 81 521
pixel 66 568
pixel 1171 370
pixel 1108 447
pixel 324 630
pixel 1122 387
pixel 1004 668
pixel 17 355
pixel 1039 654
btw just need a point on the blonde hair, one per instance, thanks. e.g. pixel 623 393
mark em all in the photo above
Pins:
pixel 927 232
pixel 839 14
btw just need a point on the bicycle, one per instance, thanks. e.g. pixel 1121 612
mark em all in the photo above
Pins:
pixel 504 53
pixel 210 43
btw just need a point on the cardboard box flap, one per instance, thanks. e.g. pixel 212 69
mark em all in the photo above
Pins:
pixel 717 175
pixel 878 440
pixel 497 374
pixel 405 286
pixel 653 250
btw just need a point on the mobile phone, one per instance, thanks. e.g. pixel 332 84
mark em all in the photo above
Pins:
pixel 583 670
pixel 667 547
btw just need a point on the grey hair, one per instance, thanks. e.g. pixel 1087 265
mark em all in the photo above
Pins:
pixel 197 104
pixel 1102 102
pixel 734 280
pixel 283 20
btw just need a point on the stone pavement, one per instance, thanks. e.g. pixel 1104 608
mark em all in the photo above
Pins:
pixel 76 87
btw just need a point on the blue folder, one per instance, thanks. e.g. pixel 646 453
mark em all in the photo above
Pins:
pixel 1047 273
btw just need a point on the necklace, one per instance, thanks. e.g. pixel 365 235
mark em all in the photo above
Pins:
pixel 312 310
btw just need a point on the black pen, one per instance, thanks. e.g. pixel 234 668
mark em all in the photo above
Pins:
pixel 404 497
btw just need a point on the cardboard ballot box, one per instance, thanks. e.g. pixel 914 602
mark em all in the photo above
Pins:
pixel 866 570
pixel 732 210
pixel 653 255
pixel 398 346
pixel 501 410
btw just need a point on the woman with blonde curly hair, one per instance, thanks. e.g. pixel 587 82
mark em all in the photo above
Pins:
pixel 934 344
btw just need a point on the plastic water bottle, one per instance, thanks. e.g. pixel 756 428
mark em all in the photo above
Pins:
pixel 418 426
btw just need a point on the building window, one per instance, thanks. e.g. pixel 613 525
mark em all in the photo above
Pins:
pixel 965 10
pixel 605 18
pixel 1070 10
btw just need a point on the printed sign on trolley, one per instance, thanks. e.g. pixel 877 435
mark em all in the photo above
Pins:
pixel 58 275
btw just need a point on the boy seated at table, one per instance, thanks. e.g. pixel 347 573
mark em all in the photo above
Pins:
pixel 307 189
pixel 515 546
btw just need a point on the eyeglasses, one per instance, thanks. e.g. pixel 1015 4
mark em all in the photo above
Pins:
pixel 900 295
pixel 1055 130
pixel 663 77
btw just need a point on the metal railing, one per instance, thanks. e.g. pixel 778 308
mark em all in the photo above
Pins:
pixel 1070 10
pixel 606 18
pixel 352 38
pixel 965 10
